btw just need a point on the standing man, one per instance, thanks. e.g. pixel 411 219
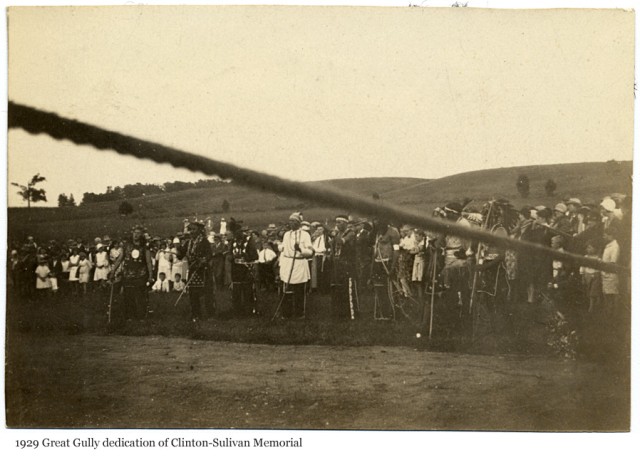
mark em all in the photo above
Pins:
pixel 198 253
pixel 344 297
pixel 385 255
pixel 296 247
pixel 364 250
pixel 320 245
pixel 137 274
pixel 243 256
pixel 218 247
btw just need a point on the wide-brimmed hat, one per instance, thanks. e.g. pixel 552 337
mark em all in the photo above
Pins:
pixel 561 207
pixel 575 201
pixel 296 216
pixel 608 204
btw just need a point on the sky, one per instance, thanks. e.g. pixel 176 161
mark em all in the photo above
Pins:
pixel 320 93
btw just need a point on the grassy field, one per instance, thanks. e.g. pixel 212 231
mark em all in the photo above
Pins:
pixel 163 214
pixel 66 368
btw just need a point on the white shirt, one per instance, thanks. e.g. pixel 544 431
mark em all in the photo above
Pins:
pixel 294 268
pixel 161 286
pixel 266 255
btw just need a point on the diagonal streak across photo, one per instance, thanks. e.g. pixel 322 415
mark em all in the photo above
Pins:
pixel 37 121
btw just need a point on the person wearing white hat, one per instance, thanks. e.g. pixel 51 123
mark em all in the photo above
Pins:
pixel 295 249
pixel 101 273
pixel 609 212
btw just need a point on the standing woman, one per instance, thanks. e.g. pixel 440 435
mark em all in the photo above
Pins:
pixel 74 260
pixel 101 272
pixel 84 269
pixel 164 261
pixel 611 281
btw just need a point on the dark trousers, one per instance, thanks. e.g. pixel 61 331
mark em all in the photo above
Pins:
pixel 380 280
pixel 242 298
pixel 134 299
pixel 344 299
pixel 293 304
pixel 195 297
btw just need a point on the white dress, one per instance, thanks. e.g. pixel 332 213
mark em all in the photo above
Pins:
pixel 179 266
pixel 42 280
pixel 295 270
pixel 165 259
pixel 611 281
pixel 102 266
pixel 73 267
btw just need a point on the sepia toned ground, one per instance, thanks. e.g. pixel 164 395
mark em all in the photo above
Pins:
pixel 83 377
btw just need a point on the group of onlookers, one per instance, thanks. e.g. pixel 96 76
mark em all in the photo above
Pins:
pixel 361 252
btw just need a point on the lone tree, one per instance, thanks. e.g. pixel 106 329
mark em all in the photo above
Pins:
pixel 30 193
pixel 523 185
pixel 225 206
pixel 550 187
pixel 125 208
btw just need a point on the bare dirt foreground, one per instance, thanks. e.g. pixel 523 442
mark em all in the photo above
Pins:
pixel 118 381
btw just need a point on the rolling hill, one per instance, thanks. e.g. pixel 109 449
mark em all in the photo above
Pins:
pixel 163 213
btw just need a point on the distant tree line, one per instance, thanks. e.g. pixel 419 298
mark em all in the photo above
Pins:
pixel 137 190
pixel 64 200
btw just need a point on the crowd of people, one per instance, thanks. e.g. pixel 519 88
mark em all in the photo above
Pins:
pixel 345 256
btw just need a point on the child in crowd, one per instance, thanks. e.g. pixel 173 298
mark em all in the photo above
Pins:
pixel 161 284
pixel 43 284
pixel 84 268
pixel 178 284
pixel 102 265
pixel 74 259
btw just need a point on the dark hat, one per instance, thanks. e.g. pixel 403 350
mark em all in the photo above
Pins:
pixel 545 213
pixel 196 223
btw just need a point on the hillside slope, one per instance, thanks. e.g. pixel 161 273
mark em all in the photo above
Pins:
pixel 163 214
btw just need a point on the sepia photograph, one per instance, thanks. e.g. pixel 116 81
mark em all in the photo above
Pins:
pixel 318 218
